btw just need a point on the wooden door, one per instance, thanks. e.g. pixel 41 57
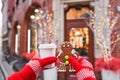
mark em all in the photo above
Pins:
pixel 80 30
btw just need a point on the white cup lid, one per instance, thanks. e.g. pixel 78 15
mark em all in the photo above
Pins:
pixel 48 46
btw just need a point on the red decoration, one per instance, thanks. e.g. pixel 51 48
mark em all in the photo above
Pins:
pixel 112 64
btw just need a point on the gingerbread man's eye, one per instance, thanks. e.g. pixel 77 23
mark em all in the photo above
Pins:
pixel 68 45
pixel 63 45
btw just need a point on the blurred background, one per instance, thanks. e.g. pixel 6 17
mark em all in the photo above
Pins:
pixel 92 27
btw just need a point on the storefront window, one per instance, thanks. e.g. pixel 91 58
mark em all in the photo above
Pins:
pixel 79 39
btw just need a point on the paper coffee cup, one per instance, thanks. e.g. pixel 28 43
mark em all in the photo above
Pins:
pixel 47 50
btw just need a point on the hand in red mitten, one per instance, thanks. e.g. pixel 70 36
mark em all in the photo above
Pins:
pixel 33 68
pixel 84 69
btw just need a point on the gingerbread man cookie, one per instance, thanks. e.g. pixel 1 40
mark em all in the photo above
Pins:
pixel 65 70
pixel 66 48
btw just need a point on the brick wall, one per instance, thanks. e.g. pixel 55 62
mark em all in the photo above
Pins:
pixel 21 11
pixel 11 7
pixel 116 30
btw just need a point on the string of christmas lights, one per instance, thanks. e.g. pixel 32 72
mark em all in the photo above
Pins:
pixel 43 20
pixel 103 30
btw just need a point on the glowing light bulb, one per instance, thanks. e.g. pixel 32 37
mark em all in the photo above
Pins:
pixel 32 17
pixel 36 10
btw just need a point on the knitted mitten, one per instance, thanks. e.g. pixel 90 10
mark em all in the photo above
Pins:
pixel 33 68
pixel 84 69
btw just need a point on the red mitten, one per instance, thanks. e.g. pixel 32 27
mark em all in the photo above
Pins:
pixel 33 68
pixel 85 63
pixel 84 69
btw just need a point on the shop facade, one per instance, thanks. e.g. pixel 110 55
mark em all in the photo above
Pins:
pixel 70 20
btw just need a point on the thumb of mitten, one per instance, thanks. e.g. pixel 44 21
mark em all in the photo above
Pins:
pixel 44 61
pixel 47 61
pixel 75 64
